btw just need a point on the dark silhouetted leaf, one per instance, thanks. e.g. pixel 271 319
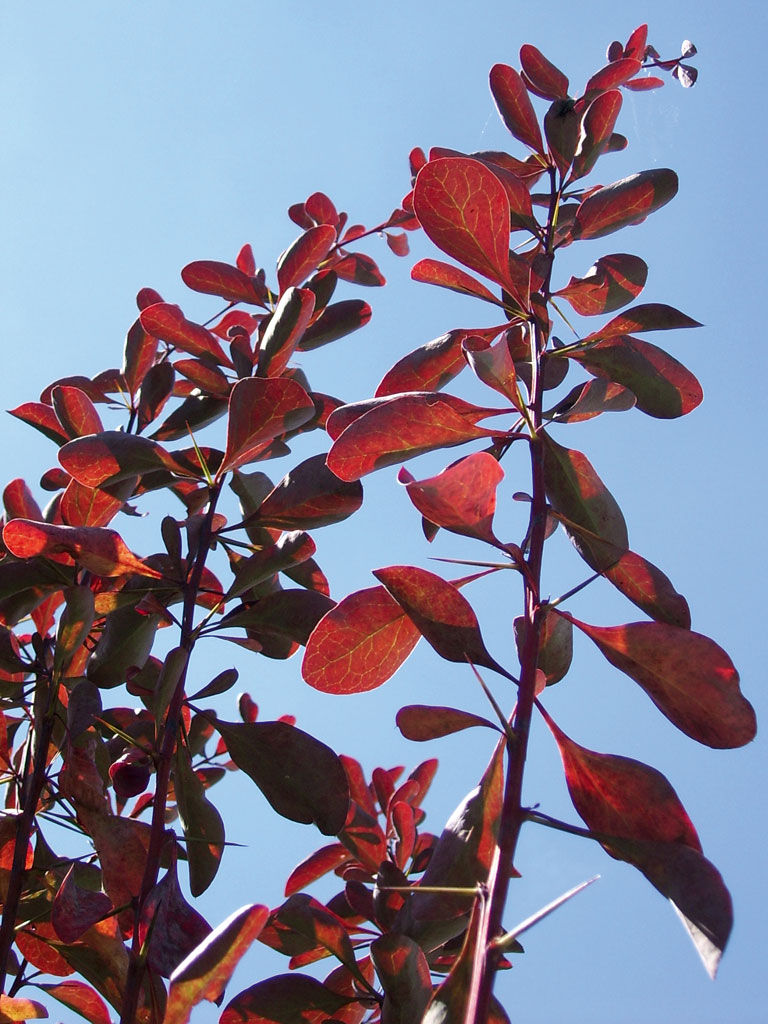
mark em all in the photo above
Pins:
pixel 609 284
pixel 402 427
pixel 663 387
pixel 260 410
pixel 420 722
pixel 286 614
pixel 283 999
pixel 285 329
pixel 443 616
pixel 515 107
pixel 202 824
pixel 404 974
pixel 650 316
pixel 204 974
pixel 494 366
pixel 628 201
pixel 687 676
pixel 336 321
pixel 301 777
pixel 173 927
pixel 125 643
pixel 591 516
pixel 555 645
pixel 562 124
pixel 308 497
pixel 75 908
pixel 359 644
pixel 462 498
pixel 596 131
pixel 590 399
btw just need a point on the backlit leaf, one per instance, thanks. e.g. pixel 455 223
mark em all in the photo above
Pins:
pixel 283 999
pixel 260 410
pixel 547 80
pixel 204 974
pixel 464 209
pixel 359 644
pixel 285 329
pixel 515 107
pixel 16 1008
pixel 596 131
pixel 167 322
pixel 301 777
pixel 650 316
pixel 138 355
pixel 609 284
pixel 579 495
pixel 441 613
pixel 75 908
pixel 303 914
pixel 315 866
pixel 688 677
pixel 419 722
pixel 402 427
pixel 662 386
pixel 493 365
pixel 106 458
pixel 590 399
pixel 404 974
pixel 82 999
pixel 304 256
pixel 445 275
pixel 628 201
pixel 87 506
pixel 622 797
pixel 462 498
pixel 173 927
pixel 611 76
pixel 75 411
pixel 649 589
pixel 228 282
pixel 100 550
pixel 42 418
pixel 428 368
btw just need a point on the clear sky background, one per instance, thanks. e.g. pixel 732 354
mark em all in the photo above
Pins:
pixel 138 137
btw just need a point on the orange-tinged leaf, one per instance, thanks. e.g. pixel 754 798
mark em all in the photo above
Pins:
pixel 590 399
pixel 402 427
pixel 628 201
pixel 15 1008
pixel 82 999
pixel 441 613
pixel 304 915
pixel 662 386
pixel 622 797
pixel 100 550
pixel 462 498
pixel 87 506
pixel 464 209
pixel 514 106
pixel 260 410
pixel 687 676
pixel 359 644
pixel 609 284
pixel 494 366
pixel 205 973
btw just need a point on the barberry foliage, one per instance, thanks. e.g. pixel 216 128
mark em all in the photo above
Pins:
pixel 417 930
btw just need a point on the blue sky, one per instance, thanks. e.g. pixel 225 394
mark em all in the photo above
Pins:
pixel 140 137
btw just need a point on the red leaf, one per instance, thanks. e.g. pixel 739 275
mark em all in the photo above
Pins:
pixel 648 588
pixel 590 399
pixel 688 677
pixel 402 427
pixel 285 329
pixel 104 459
pixel 81 998
pixel 515 107
pixel 444 275
pixel 609 284
pixel 419 722
pixel 464 209
pixel 649 316
pixel 405 977
pixel 101 551
pixel 309 496
pixel 207 970
pixel 663 387
pixel 283 999
pixel 305 255
pixel 494 365
pixel 303 915
pixel 462 498
pixel 335 321
pixel 19 502
pixel 209 379
pixel 398 242
pixel 622 797
pixel 359 644
pixel 75 411
pixel 643 84
pixel 359 269
pixel 315 866
pixel 430 367
pixel 628 201
pixel 171 926
pixel 614 74
pixel 75 908
pixel 442 615
pixel 596 131
pixel 636 43
pixel 548 81
pixel 168 323
pixel 42 418
pixel 138 354
pixel 260 410
pixel 214 278
pixel 588 510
